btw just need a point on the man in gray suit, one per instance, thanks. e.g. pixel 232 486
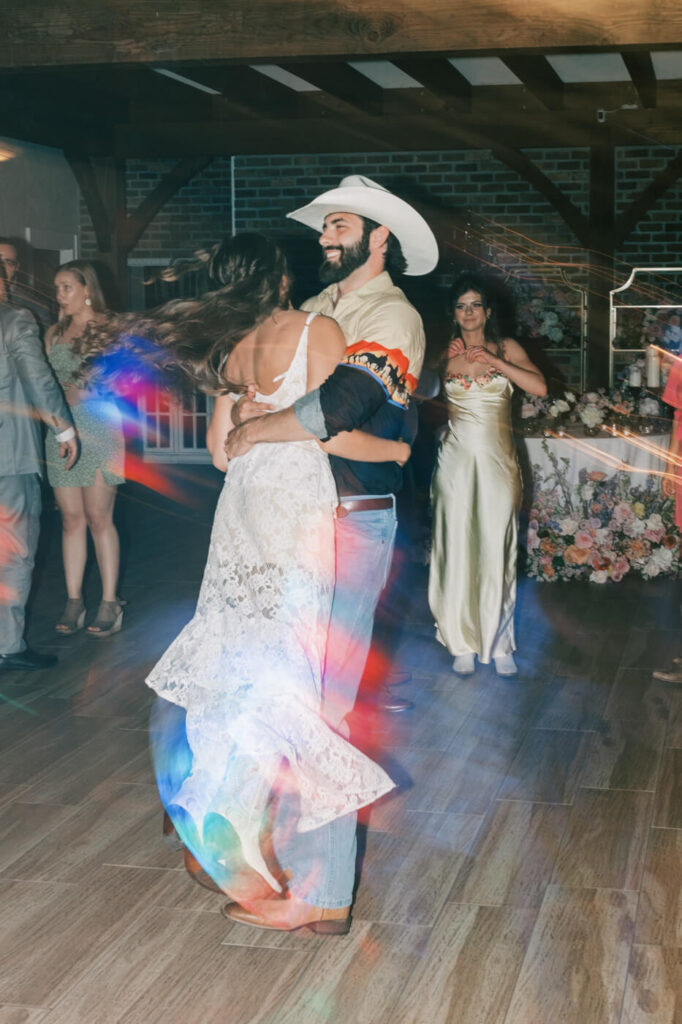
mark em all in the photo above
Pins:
pixel 29 393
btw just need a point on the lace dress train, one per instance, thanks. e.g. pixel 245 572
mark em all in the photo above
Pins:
pixel 247 668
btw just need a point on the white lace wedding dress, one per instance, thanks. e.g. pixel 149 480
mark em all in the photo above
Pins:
pixel 248 666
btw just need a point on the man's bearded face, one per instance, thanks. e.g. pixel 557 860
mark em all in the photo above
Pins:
pixel 342 258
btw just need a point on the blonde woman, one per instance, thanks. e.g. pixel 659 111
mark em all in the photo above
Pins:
pixel 85 495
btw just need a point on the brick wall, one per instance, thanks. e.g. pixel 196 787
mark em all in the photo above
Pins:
pixel 266 187
pixel 657 239
pixel 196 216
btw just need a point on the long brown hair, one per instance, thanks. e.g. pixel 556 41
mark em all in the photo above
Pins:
pixel 188 340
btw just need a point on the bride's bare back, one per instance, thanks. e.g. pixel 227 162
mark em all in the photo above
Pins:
pixel 266 353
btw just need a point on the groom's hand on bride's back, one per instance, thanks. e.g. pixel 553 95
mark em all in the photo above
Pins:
pixel 247 407
pixel 238 442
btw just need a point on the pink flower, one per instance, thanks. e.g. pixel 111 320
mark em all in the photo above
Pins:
pixel 620 567
pixel 583 539
pixel 623 512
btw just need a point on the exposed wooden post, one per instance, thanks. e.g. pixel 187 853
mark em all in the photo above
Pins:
pixel 102 184
pixel 600 258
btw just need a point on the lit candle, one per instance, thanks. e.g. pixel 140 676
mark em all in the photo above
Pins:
pixel 635 376
pixel 653 367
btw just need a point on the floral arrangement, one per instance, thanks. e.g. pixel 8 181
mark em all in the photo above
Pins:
pixel 591 409
pixel 550 407
pixel 606 530
pixel 549 315
pixel 637 328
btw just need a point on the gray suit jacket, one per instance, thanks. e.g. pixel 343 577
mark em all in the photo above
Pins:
pixel 29 393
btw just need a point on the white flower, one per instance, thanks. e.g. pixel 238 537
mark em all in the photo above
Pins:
pixel 591 416
pixel 599 576
pixel 634 527
pixel 527 411
pixel 569 396
pixel 568 526
pixel 654 522
pixel 660 561
pixel 603 535
pixel 648 407
pixel 585 491
pixel 592 397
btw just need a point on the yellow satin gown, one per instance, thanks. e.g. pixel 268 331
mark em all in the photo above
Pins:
pixel 476 493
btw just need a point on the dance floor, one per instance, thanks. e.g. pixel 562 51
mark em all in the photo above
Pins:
pixel 528 870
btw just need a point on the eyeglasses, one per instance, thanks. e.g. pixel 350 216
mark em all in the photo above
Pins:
pixel 462 307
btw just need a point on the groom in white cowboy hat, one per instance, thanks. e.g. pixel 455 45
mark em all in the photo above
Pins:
pixel 366 233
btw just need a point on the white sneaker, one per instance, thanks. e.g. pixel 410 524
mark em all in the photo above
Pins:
pixel 464 664
pixel 505 665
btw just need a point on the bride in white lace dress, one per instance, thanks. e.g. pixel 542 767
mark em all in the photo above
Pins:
pixel 247 668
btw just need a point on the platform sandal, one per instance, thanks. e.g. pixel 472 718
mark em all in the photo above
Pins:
pixel 109 620
pixel 72 618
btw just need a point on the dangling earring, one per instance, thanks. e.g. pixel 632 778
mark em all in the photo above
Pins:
pixel 88 301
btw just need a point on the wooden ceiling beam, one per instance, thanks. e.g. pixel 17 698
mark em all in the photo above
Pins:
pixel 342 81
pixel 641 70
pixel 439 77
pixel 137 222
pixel 642 203
pixel 112 32
pixel 539 78
pixel 334 127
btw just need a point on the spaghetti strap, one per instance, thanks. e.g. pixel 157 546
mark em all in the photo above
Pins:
pixel 301 350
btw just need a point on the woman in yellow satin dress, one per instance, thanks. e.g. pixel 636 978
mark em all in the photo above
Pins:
pixel 476 488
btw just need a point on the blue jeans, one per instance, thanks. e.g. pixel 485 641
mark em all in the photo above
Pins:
pixel 322 862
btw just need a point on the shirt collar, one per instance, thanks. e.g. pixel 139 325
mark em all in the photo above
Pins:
pixel 381 283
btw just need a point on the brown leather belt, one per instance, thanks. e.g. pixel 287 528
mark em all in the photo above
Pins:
pixel 345 508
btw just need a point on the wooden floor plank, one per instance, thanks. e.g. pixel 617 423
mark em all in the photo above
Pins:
pixel 637 695
pixel 576 964
pixel 624 754
pixel 654 986
pixel 574 702
pixel 605 840
pixel 469 967
pixel 547 767
pixel 169 965
pixel 21 1015
pixel 406 878
pixel 120 824
pixel 21 824
pixel 659 918
pixel 53 931
pixel 337 980
pixel 668 813
pixel 513 856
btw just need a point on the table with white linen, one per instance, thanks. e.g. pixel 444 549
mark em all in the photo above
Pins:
pixel 638 455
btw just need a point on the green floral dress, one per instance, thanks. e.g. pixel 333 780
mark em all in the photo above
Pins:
pixel 98 422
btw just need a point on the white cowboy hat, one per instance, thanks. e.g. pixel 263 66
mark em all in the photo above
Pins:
pixel 362 196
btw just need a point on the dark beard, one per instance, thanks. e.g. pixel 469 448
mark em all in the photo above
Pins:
pixel 351 258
